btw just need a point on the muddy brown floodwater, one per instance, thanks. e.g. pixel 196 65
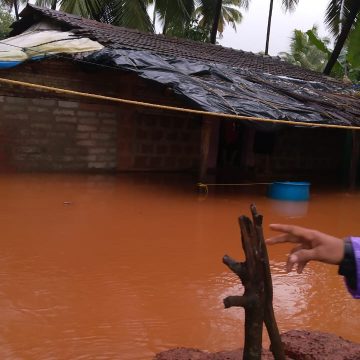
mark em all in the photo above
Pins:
pixel 101 267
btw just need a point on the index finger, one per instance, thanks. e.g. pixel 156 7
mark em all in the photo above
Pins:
pixel 293 230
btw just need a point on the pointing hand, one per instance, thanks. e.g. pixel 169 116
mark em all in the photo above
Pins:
pixel 311 245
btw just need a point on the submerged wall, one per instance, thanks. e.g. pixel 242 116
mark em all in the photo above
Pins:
pixel 286 153
pixel 305 153
pixel 42 131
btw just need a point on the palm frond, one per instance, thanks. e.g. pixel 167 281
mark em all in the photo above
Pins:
pixel 174 13
pixel 333 16
pixel 43 3
pixel 354 46
pixel 237 3
pixel 9 4
pixel 230 16
pixel 85 8
pixel 132 14
pixel 128 13
pixel 207 11
pixel 337 13
pixel 289 5
pixel 230 13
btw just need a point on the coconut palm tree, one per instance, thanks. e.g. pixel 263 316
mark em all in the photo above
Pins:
pixel 341 17
pixel 173 14
pixel 128 13
pixel 215 14
pixel 177 16
pixel 309 50
pixel 289 5
pixel 47 3
pixel 215 25
pixel 12 4
pixel 6 19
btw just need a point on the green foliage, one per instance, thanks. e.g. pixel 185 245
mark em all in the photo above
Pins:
pixel 77 7
pixel 128 13
pixel 310 51
pixel 315 40
pixel 307 50
pixel 192 30
pixel 11 5
pixel 46 3
pixel 175 15
pixel 132 14
pixel 354 47
pixel 191 19
pixel 336 14
pixel 5 21
pixel 322 46
pixel 230 13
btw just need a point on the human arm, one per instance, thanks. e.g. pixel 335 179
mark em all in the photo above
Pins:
pixel 317 246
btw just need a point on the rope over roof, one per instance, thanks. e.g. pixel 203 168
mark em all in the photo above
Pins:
pixel 211 77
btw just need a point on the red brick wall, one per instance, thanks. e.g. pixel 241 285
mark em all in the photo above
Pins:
pixel 52 132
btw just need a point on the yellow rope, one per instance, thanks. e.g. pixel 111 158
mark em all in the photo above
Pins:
pixel 241 184
pixel 171 108
pixel 204 187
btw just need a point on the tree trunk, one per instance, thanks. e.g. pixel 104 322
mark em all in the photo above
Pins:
pixel 342 37
pixel 165 27
pixel 216 21
pixel 269 28
pixel 154 16
pixel 16 9
pixel 257 300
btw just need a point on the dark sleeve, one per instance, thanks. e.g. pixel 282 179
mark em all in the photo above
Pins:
pixel 350 266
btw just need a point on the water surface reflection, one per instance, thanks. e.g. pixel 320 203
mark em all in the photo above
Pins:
pixel 123 267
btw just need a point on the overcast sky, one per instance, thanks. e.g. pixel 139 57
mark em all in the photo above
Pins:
pixel 251 33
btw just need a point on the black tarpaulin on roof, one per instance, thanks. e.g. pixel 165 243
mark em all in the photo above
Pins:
pixel 224 89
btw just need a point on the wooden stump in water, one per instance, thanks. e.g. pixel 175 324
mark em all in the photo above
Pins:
pixel 255 276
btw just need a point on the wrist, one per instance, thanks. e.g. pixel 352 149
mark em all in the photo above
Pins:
pixel 347 266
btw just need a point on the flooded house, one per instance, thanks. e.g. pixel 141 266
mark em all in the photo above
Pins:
pixel 127 266
pixel 87 96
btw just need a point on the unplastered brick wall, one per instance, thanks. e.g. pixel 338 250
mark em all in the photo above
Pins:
pixel 56 135
pixel 158 141
pixel 166 141
pixel 66 133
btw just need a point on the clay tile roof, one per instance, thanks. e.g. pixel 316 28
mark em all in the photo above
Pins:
pixel 124 38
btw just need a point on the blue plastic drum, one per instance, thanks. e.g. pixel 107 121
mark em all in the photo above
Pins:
pixel 290 191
